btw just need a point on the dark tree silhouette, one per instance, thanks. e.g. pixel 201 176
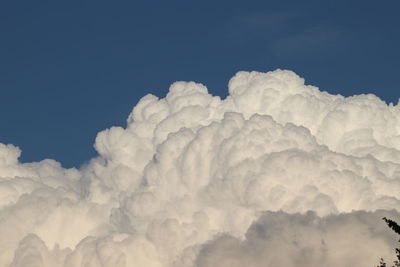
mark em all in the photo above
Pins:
pixel 396 228
pixel 392 224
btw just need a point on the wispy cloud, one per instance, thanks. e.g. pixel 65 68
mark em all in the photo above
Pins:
pixel 288 34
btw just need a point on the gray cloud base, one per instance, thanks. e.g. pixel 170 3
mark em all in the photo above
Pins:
pixel 282 239
pixel 194 180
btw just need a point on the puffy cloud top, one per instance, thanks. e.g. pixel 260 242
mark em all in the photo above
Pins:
pixel 278 173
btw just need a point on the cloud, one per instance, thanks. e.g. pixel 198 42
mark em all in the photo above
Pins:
pixel 282 239
pixel 289 34
pixel 191 167
pixel 321 40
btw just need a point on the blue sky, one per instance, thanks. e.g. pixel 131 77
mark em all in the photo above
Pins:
pixel 70 69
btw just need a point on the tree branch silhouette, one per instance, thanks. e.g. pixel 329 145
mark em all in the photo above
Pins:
pixel 396 228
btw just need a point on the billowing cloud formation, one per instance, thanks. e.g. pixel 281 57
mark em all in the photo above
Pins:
pixel 194 180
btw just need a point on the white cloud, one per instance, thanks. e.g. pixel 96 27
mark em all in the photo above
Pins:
pixel 190 167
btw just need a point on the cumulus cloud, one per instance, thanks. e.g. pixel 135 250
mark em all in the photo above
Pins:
pixel 282 239
pixel 279 171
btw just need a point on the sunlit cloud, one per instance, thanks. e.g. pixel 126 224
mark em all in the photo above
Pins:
pixel 278 172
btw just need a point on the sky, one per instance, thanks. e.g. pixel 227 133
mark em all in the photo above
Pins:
pixel 71 69
pixel 212 133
